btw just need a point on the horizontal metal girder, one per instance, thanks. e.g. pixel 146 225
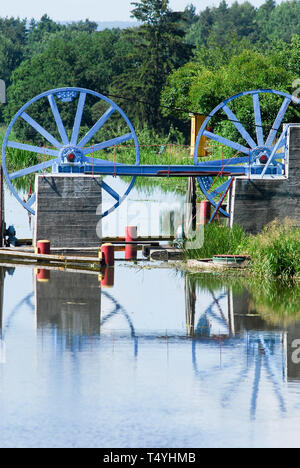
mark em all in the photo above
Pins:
pixel 165 170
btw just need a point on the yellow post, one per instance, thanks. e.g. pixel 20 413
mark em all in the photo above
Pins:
pixel 196 123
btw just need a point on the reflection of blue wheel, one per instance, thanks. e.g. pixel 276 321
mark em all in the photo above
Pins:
pixel 119 309
pixel 67 149
pixel 257 147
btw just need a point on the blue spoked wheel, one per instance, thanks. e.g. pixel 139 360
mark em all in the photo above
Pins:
pixel 263 147
pixel 57 145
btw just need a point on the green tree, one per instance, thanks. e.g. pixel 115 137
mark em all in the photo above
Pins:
pixel 205 88
pixel 80 59
pixel 153 51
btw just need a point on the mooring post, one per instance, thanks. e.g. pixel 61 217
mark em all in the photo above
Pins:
pixel 42 275
pixel 107 280
pixel 205 212
pixel 107 254
pixel 43 247
pixel 130 249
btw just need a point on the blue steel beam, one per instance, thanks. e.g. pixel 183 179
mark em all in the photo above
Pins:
pixel 164 170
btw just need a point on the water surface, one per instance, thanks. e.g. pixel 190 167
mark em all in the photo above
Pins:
pixel 161 359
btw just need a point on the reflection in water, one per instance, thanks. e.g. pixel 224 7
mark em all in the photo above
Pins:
pixel 69 304
pixel 236 360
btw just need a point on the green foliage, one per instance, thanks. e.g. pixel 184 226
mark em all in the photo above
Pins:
pixel 201 88
pixel 76 59
pixel 154 50
pixel 275 252
pixel 218 240
pixel 276 300
pixel 243 21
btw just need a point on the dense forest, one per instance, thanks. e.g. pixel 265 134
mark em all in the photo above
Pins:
pixel 171 64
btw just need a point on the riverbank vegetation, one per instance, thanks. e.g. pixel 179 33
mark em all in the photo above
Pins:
pixel 275 252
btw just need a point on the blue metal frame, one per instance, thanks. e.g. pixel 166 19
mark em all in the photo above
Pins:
pixel 64 147
pixel 254 148
pixel 248 165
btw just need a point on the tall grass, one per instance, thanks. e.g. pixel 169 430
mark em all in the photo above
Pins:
pixel 218 240
pixel 275 252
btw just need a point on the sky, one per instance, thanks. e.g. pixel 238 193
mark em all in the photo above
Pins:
pixel 95 10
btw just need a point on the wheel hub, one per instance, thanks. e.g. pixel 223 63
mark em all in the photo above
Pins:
pixel 70 155
pixel 260 155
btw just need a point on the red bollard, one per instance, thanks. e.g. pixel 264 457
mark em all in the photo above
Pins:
pixel 130 233
pixel 107 254
pixel 43 247
pixel 42 275
pixel 130 249
pixel 204 212
pixel 130 252
pixel 109 276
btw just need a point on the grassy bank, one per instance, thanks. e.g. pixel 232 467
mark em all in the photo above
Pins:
pixel 275 252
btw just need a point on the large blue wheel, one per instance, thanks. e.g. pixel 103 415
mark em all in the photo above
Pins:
pixel 55 149
pixel 259 147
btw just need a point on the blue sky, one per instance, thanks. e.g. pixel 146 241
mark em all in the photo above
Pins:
pixel 97 10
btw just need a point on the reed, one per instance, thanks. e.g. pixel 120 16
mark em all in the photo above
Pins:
pixel 275 252
pixel 218 240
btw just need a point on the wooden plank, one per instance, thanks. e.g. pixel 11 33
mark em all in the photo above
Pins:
pixel 48 258
pixel 53 266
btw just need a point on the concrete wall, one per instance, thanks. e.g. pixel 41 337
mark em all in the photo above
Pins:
pixel 256 203
pixel 66 210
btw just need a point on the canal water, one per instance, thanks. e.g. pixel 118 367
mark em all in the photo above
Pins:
pixel 161 358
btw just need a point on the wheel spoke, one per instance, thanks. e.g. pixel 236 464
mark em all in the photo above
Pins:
pixel 31 200
pixel 227 185
pixel 282 143
pixel 41 130
pixel 31 169
pixel 278 121
pixel 219 189
pixel 58 120
pixel 32 149
pixel 275 149
pixel 108 143
pixel 258 122
pixel 224 141
pixel 111 191
pixel 239 126
pixel 78 118
pixel 96 127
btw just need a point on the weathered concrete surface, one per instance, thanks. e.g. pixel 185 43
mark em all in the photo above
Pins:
pixel 258 202
pixel 66 210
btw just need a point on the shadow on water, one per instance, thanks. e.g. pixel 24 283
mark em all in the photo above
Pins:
pixel 242 336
